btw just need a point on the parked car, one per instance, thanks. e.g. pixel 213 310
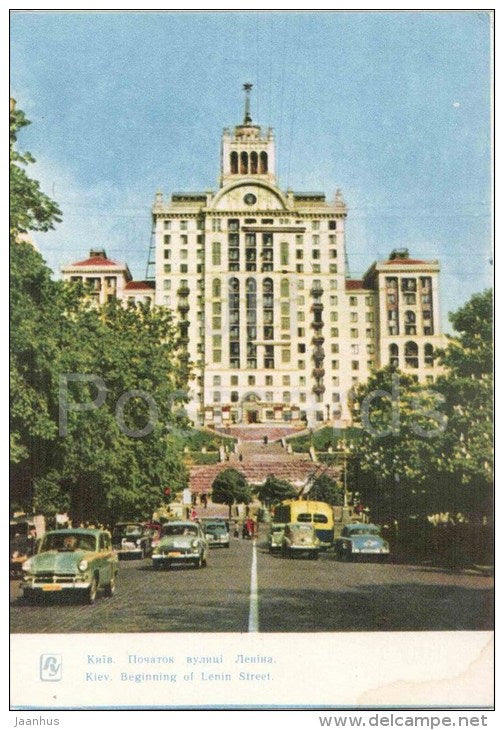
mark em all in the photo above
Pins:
pixel 300 539
pixel 361 540
pixel 181 542
pixel 22 537
pixel 275 536
pixel 132 540
pixel 78 561
pixel 217 534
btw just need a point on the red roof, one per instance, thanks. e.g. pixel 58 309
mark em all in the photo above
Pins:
pixel 400 261
pixel 140 285
pixel 96 261
pixel 354 284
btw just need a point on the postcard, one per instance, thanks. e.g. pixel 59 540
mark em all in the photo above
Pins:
pixel 251 345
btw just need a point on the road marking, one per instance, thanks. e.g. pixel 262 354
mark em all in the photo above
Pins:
pixel 253 623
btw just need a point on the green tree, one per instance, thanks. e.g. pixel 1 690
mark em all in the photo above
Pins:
pixel 230 487
pixel 30 208
pixel 275 490
pixel 326 489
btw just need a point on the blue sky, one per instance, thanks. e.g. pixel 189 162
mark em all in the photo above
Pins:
pixel 393 108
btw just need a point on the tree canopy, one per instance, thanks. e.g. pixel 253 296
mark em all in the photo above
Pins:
pixel 275 490
pixel 230 487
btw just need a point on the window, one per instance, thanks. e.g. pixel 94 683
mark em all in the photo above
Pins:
pixel 268 396
pixel 332 240
pixel 183 254
pixel 410 322
pixel 315 225
pixel 354 317
pixel 301 316
pixel 355 364
pixel 428 356
pixel 334 332
pixel 333 316
pixel 409 298
pixel 269 357
pixel 316 253
pixel 284 253
pixel 299 268
pixel 216 323
pixel 286 380
pixel 335 397
pixel 370 349
pixel 216 288
pixel 286 355
pixel 332 225
pixel 335 348
pixel 411 355
pixel 301 332
pixel 333 268
pixel 216 224
pixel 354 332
pixel 353 301
pixel 216 253
pixel 183 268
pixel 167 225
pixel 299 239
pixel 167 284
pixel 284 288
pixel 216 397
pixel 167 240
pixel 333 301
pixel 335 380
pixel 354 349
pixel 302 397
pixel 251 380
pixel 167 268
pixel 299 253
pixel 217 355
pixel 285 323
pixel 301 365
pixel 408 285
pixel 333 284
pixel 369 316
pixel 370 332
pixel 234 379
pixel 268 380
pixel 184 240
pixel 335 364
pixel 216 380
pixel 301 348
pixel 183 225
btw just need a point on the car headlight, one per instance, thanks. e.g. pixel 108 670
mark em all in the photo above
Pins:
pixel 194 543
pixel 83 565
pixel 27 565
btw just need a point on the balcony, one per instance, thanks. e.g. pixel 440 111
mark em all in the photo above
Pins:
pixel 317 325
pixel 318 354
pixel 319 389
pixel 318 340
pixel 183 291
pixel 316 291
pixel 317 307
pixel 318 373
pixel 183 307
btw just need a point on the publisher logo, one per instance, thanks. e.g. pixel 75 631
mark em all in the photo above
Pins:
pixel 50 667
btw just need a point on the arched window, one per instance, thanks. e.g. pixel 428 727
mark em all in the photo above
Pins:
pixel 234 323
pixel 409 322
pixel 251 313
pixel 253 163
pixel 411 354
pixel 394 355
pixel 428 356
pixel 233 159
pixel 264 163
pixel 244 163
pixel 284 288
pixel 216 288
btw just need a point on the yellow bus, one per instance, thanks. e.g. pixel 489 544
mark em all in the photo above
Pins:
pixel 318 514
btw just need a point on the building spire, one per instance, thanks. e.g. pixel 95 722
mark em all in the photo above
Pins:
pixel 247 119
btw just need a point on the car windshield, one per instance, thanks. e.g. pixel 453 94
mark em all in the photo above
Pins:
pixel 277 528
pixel 127 530
pixel 302 528
pixel 215 528
pixel 65 542
pixel 171 530
pixel 364 531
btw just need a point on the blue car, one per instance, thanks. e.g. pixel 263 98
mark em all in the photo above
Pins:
pixel 360 540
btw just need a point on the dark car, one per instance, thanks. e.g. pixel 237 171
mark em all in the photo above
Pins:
pixel 132 539
pixel 217 534
pixel 22 539
pixel 360 540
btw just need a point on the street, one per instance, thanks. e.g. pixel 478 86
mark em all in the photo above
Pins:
pixel 293 595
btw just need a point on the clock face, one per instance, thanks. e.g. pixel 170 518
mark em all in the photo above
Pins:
pixel 250 199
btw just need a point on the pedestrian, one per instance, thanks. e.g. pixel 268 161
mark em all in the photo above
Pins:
pixel 193 515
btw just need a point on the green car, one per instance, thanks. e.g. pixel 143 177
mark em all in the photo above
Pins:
pixel 78 561
pixel 275 536
pixel 182 542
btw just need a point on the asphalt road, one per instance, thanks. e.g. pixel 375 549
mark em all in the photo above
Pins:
pixel 292 595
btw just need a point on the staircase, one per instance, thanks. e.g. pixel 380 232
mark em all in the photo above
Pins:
pixel 256 461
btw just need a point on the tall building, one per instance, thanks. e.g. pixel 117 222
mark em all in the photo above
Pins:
pixel 274 328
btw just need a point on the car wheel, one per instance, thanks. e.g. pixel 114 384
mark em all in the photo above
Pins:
pixel 198 562
pixel 92 591
pixel 204 562
pixel 226 545
pixel 314 555
pixel 110 589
